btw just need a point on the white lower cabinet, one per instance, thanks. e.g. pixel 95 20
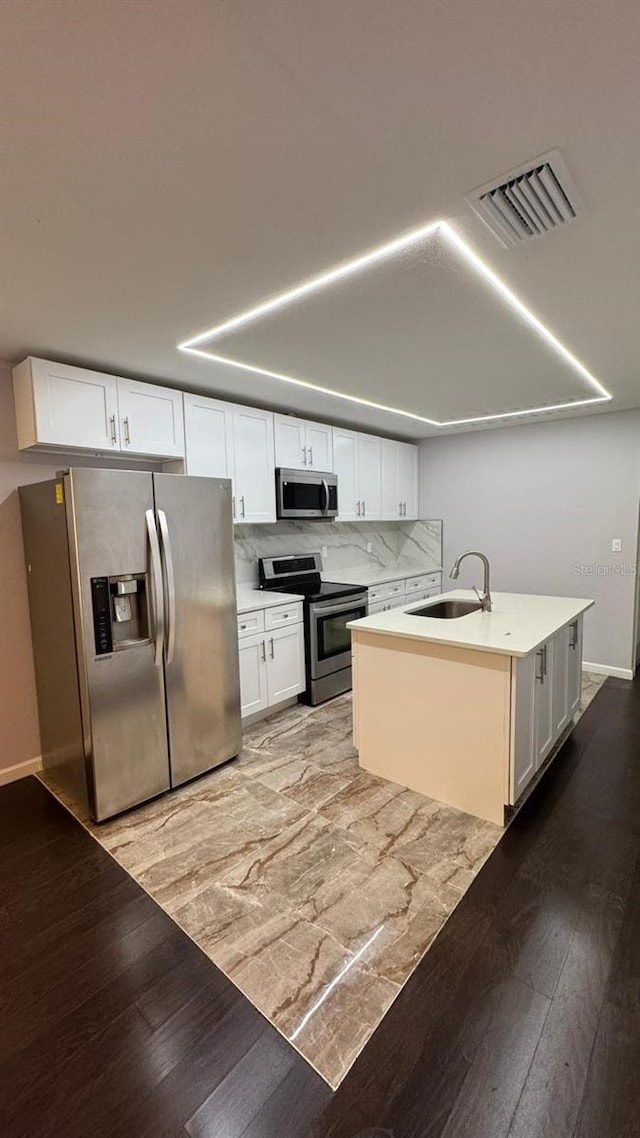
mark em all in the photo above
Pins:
pixel 271 660
pixel 254 692
pixel 285 662
pixel 545 694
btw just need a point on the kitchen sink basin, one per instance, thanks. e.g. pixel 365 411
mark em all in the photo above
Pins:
pixel 447 610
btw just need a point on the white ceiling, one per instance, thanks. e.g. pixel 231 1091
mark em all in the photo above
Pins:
pixel 168 165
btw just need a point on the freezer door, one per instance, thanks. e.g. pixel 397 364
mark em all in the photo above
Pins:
pixel 201 646
pixel 121 688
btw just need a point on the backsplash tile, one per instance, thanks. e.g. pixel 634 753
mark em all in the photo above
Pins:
pixel 411 543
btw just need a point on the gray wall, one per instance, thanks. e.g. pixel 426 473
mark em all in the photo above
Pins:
pixel 543 501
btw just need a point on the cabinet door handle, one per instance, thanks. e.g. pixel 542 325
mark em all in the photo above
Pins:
pixel 573 643
pixel 358 508
pixel 242 504
pixel 112 424
pixel 310 456
pixel 264 653
pixel 400 508
pixel 364 508
pixel 544 659
pixel 405 509
pixel 272 650
pixel 304 455
pixel 127 436
pixel 540 677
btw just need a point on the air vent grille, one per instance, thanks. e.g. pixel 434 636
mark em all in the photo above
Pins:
pixel 535 199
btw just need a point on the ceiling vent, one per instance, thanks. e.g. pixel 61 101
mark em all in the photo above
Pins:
pixel 535 199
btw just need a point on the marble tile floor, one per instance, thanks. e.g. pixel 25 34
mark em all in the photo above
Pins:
pixel 313 885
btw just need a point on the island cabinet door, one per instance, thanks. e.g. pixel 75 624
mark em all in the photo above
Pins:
pixel 523 724
pixel 544 733
pixel 574 669
pixel 560 682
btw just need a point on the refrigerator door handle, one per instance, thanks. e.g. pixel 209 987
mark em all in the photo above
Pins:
pixel 170 581
pixel 156 583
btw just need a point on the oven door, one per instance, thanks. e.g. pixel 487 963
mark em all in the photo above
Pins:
pixel 306 495
pixel 329 637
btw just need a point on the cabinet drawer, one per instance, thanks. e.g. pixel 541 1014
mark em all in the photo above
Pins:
pixel 283 615
pixel 382 592
pixel 395 589
pixel 250 622
pixel 376 593
pixel 423 581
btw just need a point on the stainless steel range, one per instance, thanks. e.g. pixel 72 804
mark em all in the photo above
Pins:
pixel 328 608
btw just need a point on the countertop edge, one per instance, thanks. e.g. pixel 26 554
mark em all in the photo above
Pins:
pixel 582 606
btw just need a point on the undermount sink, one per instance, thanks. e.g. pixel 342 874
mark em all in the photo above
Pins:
pixel 447 610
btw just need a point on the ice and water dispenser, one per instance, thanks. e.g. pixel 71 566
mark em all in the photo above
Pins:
pixel 120 612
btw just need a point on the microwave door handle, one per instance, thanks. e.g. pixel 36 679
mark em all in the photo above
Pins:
pixel 157 588
pixel 170 583
pixel 325 487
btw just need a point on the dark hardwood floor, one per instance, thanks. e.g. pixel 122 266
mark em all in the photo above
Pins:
pixel 522 1021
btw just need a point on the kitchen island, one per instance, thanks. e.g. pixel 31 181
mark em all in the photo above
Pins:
pixel 468 710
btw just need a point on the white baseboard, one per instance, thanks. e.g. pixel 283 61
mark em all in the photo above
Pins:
pixel 20 770
pixel 607 670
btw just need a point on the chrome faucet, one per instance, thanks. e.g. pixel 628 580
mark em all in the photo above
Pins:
pixel 485 597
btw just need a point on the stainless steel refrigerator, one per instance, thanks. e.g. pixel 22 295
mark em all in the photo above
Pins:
pixel 133 615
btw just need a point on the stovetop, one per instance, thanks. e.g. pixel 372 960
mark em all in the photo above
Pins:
pixel 322 591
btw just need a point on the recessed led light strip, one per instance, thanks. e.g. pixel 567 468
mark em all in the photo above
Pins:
pixel 383 253
pixel 310 386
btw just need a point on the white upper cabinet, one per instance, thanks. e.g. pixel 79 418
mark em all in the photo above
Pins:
pixel 399 466
pixel 225 440
pixel 345 465
pixel 208 425
pixel 62 406
pixel 151 419
pixel 377 478
pixel 254 465
pixel 369 477
pixel 58 405
pixel 319 447
pixel 302 444
pixel 290 441
pixel 390 490
pixel 408 480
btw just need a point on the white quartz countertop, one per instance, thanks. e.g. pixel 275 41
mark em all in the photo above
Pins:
pixel 367 575
pixel 249 599
pixel 518 624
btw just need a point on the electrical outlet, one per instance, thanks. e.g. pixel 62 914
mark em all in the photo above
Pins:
pixel 369 547
pixel 616 545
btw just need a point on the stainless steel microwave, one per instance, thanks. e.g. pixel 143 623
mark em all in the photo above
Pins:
pixel 306 494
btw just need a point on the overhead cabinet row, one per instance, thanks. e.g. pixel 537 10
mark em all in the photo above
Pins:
pixel 70 408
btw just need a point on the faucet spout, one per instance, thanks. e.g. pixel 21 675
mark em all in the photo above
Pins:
pixel 485 596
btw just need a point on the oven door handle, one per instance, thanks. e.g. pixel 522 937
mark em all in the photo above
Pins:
pixel 334 610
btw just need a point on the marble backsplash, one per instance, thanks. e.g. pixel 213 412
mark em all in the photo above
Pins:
pixel 416 544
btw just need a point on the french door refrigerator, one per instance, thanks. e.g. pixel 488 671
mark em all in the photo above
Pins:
pixel 132 598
